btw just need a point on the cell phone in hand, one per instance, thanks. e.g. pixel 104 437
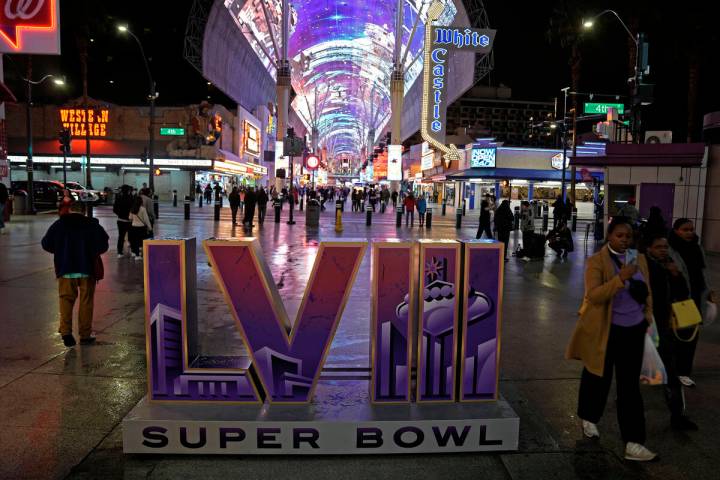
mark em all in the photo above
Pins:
pixel 631 256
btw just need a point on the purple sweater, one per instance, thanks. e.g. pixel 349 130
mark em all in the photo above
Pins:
pixel 626 312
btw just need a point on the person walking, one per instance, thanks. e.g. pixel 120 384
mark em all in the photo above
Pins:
pixel 610 335
pixel 409 204
pixel 394 197
pixel 234 199
pixel 668 285
pixel 250 201
pixel 76 242
pixel 121 208
pixel 148 204
pixel 484 225
pixel 140 227
pixel 421 206
pixel 198 190
pixel 262 201
pixel 504 221
pixel 208 194
pixel 4 196
pixel 691 259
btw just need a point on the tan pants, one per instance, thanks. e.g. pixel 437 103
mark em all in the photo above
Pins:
pixel 69 290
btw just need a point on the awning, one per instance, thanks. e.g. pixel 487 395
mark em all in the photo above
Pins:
pixel 519 173
pixel 646 155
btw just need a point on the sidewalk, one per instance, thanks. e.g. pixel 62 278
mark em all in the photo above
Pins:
pixel 60 409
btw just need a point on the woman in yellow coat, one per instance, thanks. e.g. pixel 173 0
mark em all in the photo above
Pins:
pixel 610 335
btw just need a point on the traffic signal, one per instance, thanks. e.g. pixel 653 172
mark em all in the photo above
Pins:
pixel 158 172
pixel 64 139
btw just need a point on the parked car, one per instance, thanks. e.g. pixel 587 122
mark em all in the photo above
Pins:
pixel 47 193
pixel 86 194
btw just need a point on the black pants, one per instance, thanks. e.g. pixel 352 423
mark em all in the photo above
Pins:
pixel 668 350
pixel 249 214
pixel 123 229
pixel 504 237
pixel 262 209
pixel 624 354
pixel 234 210
pixel 421 218
pixel 137 235
pixel 484 228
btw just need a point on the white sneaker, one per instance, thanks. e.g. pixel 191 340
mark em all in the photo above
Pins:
pixel 638 453
pixel 138 258
pixel 590 429
pixel 686 381
pixel 120 255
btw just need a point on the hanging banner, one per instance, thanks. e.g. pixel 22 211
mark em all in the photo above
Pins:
pixel 394 167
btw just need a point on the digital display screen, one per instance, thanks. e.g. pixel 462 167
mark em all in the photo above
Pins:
pixel 483 157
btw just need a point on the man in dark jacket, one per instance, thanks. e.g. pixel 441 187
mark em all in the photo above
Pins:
pixel 121 208
pixel 262 201
pixel 234 199
pixel 76 241
pixel 250 201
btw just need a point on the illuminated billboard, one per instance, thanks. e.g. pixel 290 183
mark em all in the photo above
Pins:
pixel 394 169
pixel 483 157
pixel 30 26
pixel 83 123
pixel 251 139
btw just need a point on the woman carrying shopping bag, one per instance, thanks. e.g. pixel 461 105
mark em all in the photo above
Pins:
pixel 610 336
pixel 140 228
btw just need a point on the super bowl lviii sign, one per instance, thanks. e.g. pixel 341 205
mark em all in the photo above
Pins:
pixel 440 43
pixel 432 383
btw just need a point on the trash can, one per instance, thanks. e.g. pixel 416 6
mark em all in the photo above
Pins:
pixel 20 203
pixel 312 213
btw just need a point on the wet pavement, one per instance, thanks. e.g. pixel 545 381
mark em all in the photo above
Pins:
pixel 60 409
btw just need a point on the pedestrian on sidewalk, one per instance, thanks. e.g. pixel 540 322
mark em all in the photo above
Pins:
pixel 484 226
pixel 147 202
pixel 262 201
pixel 76 242
pixel 394 197
pixel 4 196
pixel 208 194
pixel 140 227
pixel 691 259
pixel 250 201
pixel 527 223
pixel 409 204
pixel 610 335
pixel 121 208
pixel 421 206
pixel 668 285
pixel 504 222
pixel 234 199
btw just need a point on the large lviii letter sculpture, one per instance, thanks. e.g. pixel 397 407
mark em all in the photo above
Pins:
pixel 287 360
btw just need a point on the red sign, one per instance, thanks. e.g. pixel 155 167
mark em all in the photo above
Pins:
pixel 29 26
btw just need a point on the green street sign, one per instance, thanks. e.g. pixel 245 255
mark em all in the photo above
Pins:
pixel 602 108
pixel 172 131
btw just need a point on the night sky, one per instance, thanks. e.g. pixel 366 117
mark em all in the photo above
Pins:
pixel 525 59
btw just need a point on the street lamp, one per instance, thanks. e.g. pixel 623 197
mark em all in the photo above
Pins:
pixel 153 95
pixel 29 82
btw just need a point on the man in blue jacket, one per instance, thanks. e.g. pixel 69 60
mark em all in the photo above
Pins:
pixel 76 242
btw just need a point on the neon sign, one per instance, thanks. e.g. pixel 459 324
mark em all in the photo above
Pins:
pixel 85 122
pixel 440 41
pixel 30 26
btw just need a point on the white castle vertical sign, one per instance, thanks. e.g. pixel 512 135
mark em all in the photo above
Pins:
pixel 440 41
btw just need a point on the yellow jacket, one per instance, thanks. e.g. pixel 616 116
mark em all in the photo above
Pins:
pixel 589 340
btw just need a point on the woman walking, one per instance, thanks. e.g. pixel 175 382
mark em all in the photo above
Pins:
pixel 686 244
pixel 610 335
pixel 140 227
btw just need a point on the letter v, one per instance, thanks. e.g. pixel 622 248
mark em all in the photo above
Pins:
pixel 287 360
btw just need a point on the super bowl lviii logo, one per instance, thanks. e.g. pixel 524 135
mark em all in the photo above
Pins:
pixel 434 323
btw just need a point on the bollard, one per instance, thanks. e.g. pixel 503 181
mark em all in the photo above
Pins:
pixel 368 214
pixel 277 205
pixel 545 216
pixel 574 219
pixel 444 206
pixel 338 216
pixel 187 207
pixel 398 216
pixel 174 198
pixel 516 223
pixel 217 211
pixel 463 206
pixel 156 207
pixel 428 218
pixel 458 219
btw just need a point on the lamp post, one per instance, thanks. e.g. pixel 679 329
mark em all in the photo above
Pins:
pixel 639 65
pixel 29 82
pixel 152 97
